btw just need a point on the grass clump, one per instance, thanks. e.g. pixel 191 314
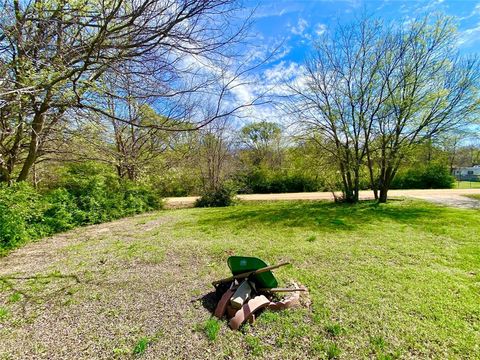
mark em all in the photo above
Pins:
pixel 334 329
pixel 141 346
pixel 15 297
pixel 332 351
pixel 211 328
pixel 4 313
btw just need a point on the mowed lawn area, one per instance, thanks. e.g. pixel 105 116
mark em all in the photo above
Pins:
pixel 400 280
pixel 467 185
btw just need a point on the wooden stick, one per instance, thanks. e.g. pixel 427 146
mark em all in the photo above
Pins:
pixel 283 289
pixel 250 273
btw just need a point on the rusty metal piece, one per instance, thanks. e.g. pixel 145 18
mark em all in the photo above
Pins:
pixel 222 304
pixel 289 302
pixel 247 310
pixel 231 311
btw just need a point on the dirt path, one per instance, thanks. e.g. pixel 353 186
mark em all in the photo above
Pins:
pixel 93 292
pixel 450 197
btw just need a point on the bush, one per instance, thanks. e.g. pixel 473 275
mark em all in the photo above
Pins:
pixel 224 196
pixel 20 214
pixel 431 176
pixel 95 195
pixel 62 210
pixel 262 182
pixel 86 194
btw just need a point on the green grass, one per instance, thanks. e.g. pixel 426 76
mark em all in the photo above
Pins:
pixel 467 185
pixel 141 346
pixel 405 272
pixel 391 281
pixel 211 328
pixel 4 313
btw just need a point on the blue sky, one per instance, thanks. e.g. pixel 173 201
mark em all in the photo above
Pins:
pixel 296 24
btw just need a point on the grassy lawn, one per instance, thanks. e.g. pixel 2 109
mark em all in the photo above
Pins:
pixel 467 185
pixel 400 280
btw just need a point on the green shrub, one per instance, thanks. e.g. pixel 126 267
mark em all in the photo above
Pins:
pixel 20 214
pixel 99 196
pixel 431 176
pixel 261 181
pixel 85 194
pixel 224 196
pixel 62 210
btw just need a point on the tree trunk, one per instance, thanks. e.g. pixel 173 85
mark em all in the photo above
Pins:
pixel 4 175
pixel 35 137
pixel 37 126
pixel 371 173
pixel 383 194
pixel 356 189
pixel 386 180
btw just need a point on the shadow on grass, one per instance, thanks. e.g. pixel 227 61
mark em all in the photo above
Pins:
pixel 322 215
pixel 32 290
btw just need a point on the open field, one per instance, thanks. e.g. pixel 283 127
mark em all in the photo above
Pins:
pixel 399 280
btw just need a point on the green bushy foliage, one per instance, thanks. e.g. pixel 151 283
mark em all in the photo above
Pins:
pixel 225 196
pixel 264 182
pixel 431 176
pixel 85 194
pixel 21 215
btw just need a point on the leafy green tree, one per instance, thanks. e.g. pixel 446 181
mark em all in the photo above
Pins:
pixel 263 141
pixel 431 90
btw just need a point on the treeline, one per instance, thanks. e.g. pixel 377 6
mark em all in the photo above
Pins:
pixel 262 158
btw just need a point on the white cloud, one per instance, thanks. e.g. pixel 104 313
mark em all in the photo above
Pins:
pixel 470 35
pixel 320 29
pixel 274 83
pixel 282 72
pixel 474 12
pixel 272 9
pixel 300 27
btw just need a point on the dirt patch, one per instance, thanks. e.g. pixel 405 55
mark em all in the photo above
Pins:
pixel 453 200
pixel 93 293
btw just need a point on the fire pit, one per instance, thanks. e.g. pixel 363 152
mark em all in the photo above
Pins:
pixel 251 287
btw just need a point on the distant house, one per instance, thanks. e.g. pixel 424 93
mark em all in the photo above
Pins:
pixel 467 173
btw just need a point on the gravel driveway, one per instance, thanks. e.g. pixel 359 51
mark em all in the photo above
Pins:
pixel 449 197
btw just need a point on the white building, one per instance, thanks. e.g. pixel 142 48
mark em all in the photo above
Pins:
pixel 467 173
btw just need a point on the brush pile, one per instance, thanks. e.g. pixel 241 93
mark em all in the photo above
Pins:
pixel 251 288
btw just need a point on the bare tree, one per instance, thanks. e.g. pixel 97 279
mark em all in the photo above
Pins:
pixel 430 91
pixel 214 150
pixel 341 95
pixel 371 92
pixel 53 55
